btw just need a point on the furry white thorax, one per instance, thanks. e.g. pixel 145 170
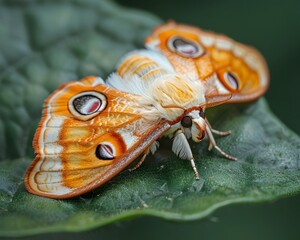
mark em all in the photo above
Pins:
pixel 163 95
pixel 166 96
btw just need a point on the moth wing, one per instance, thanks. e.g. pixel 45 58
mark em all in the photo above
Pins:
pixel 88 134
pixel 225 66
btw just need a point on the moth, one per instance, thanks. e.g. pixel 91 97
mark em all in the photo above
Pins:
pixel 91 130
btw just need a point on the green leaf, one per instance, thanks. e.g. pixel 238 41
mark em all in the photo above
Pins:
pixel 44 44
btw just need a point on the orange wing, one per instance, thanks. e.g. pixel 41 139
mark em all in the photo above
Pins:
pixel 223 64
pixel 89 133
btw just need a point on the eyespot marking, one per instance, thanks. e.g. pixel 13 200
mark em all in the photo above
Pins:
pixel 105 152
pixel 87 105
pixel 231 80
pixel 185 48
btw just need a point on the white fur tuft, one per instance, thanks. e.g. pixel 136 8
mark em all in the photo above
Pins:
pixel 168 92
pixel 181 147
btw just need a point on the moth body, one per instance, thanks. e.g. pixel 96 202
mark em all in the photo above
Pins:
pixel 149 75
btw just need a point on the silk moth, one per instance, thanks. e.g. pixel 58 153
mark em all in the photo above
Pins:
pixel 91 130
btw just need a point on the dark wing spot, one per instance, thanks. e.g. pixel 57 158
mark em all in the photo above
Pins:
pixel 87 104
pixel 185 47
pixel 104 152
pixel 232 80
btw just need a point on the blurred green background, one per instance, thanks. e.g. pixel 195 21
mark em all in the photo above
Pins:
pixel 273 27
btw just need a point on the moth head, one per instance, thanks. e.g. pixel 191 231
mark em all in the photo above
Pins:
pixel 194 125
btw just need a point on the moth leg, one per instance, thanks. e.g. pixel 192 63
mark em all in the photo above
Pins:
pixel 212 144
pixel 154 146
pixel 183 150
pixel 140 162
pixel 217 132
pixel 220 133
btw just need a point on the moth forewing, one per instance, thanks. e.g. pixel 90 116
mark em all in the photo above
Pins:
pixel 77 154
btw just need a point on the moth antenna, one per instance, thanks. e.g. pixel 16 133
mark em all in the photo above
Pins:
pixel 183 150
pixel 212 144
